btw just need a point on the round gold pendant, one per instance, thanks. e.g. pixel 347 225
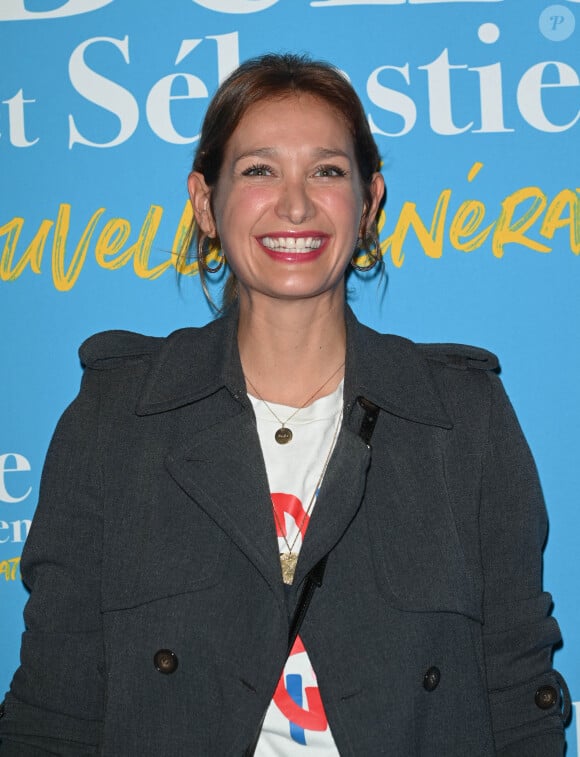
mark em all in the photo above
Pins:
pixel 283 435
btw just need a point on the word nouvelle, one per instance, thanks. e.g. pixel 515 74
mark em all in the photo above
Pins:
pixel 464 226
pixel 393 91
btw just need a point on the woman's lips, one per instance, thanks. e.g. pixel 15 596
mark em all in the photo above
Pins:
pixel 295 248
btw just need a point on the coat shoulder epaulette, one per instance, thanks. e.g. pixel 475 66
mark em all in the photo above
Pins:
pixel 460 356
pixel 109 349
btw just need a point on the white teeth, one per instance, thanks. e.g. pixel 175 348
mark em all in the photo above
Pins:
pixel 291 244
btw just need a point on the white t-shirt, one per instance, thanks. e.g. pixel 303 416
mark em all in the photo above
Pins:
pixel 296 723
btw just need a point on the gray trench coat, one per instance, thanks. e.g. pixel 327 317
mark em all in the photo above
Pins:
pixel 157 623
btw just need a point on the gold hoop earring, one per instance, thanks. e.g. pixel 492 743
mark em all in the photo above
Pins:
pixel 206 247
pixel 370 247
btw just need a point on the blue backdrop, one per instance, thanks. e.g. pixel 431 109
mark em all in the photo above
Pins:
pixel 475 105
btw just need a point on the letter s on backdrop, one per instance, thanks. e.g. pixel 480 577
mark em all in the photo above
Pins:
pixel 15 10
pixel 103 92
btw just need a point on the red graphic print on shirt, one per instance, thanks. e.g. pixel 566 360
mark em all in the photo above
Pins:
pixel 288 503
pixel 311 717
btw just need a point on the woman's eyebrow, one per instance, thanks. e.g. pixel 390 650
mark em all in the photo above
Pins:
pixel 256 152
pixel 331 152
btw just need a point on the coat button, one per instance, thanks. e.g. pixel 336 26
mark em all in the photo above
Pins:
pixel 546 697
pixel 165 661
pixel 431 679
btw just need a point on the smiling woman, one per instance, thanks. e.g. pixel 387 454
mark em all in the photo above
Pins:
pixel 284 533
pixel 259 85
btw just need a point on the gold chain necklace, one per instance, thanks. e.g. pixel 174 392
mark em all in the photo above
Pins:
pixel 283 434
pixel 289 560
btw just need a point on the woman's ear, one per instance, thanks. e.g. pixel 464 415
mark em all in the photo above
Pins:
pixel 377 191
pixel 200 196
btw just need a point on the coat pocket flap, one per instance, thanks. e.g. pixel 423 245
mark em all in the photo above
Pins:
pixel 418 538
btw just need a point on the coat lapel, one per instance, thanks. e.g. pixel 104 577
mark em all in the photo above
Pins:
pixel 224 473
pixel 338 502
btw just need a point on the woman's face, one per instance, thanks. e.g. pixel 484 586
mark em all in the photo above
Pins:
pixel 288 206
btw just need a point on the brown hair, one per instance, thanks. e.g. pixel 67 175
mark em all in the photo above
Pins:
pixel 268 77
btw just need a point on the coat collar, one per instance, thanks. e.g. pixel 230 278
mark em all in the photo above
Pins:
pixel 388 370
pixel 193 364
pixel 392 373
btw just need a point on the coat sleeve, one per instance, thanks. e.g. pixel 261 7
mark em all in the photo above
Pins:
pixel 525 693
pixel 55 702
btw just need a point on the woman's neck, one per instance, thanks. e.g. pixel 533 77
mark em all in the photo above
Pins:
pixel 292 352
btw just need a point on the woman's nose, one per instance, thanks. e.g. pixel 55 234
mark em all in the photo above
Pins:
pixel 294 202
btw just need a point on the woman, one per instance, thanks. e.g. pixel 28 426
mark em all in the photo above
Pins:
pixel 203 487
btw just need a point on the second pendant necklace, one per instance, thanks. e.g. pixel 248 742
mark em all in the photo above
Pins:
pixel 289 559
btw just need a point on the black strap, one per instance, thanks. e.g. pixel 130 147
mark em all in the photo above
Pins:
pixel 314 578
pixel 312 582
pixel 369 420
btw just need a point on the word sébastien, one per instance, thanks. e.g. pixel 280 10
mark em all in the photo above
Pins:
pixel 466 228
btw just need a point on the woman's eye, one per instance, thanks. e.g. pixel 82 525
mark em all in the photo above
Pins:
pixel 257 170
pixel 329 171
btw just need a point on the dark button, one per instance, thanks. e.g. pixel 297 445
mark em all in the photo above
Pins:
pixel 431 679
pixel 165 661
pixel 546 697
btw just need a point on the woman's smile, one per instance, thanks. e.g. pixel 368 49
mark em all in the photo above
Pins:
pixel 294 248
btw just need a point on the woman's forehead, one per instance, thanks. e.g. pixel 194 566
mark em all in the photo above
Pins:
pixel 292 119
